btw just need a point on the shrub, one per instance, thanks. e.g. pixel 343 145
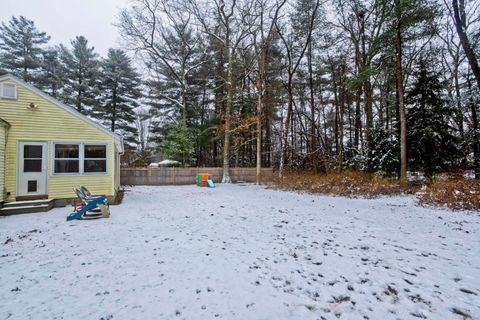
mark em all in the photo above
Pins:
pixel 177 144
pixel 349 183
pixel 455 193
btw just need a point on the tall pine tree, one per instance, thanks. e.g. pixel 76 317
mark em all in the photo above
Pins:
pixel 120 93
pixel 409 21
pixel 432 146
pixel 51 75
pixel 21 47
pixel 81 66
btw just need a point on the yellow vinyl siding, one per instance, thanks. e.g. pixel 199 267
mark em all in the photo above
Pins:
pixel 3 132
pixel 49 122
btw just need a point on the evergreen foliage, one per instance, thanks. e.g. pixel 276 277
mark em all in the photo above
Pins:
pixel 120 93
pixel 81 66
pixel 432 145
pixel 383 151
pixel 21 48
pixel 177 144
pixel 51 77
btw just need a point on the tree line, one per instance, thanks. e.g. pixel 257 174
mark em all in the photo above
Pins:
pixel 377 85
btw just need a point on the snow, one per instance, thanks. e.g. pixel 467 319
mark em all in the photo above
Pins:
pixel 242 252
pixel 168 162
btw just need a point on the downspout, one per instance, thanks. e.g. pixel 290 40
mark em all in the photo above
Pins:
pixel 5 126
pixel 116 152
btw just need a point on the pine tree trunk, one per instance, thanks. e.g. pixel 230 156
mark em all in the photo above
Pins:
pixel 313 135
pixel 114 110
pixel 368 109
pixel 286 127
pixel 341 113
pixel 476 140
pixel 267 143
pixel 260 93
pixel 401 105
pixel 259 128
pixel 336 100
pixel 358 119
pixel 367 85
pixel 459 113
pixel 475 127
pixel 460 25
pixel 228 110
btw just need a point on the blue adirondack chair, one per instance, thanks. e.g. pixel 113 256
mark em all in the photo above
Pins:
pixel 92 208
pixel 82 213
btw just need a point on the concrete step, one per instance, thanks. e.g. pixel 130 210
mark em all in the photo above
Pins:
pixel 30 206
pixel 27 203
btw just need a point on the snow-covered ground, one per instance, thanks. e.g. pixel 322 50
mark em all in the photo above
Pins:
pixel 242 252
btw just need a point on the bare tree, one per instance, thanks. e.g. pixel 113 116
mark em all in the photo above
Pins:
pixel 142 123
pixel 453 58
pixel 262 37
pixel 230 27
pixel 293 61
pixel 460 20
pixel 161 31
pixel 364 22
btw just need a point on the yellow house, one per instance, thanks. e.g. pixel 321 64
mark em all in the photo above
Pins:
pixel 47 148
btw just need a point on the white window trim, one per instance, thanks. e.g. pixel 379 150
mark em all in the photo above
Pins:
pixel 15 90
pixel 81 158
pixel 84 158
pixel 25 158
pixel 78 159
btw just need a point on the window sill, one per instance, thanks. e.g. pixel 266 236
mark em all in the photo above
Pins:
pixel 79 174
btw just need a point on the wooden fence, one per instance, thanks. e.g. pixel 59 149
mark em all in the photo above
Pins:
pixel 166 176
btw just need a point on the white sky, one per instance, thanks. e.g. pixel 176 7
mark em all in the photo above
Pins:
pixel 65 19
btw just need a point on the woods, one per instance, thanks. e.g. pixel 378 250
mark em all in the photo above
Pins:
pixel 324 85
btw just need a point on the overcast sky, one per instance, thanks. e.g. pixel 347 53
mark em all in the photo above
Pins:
pixel 65 19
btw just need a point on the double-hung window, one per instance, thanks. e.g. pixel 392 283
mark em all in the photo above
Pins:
pixel 80 158
pixel 95 158
pixel 67 158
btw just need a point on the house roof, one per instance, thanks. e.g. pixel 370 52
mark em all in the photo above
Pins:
pixel 117 138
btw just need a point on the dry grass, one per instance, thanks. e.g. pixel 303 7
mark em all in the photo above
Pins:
pixel 454 193
pixel 340 183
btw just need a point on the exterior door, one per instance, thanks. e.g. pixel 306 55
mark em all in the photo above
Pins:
pixel 32 168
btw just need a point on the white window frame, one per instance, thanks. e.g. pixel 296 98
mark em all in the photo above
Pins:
pixel 2 89
pixel 55 158
pixel 81 158
pixel 25 158
pixel 84 158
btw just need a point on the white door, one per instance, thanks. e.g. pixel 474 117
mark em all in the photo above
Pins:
pixel 32 168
